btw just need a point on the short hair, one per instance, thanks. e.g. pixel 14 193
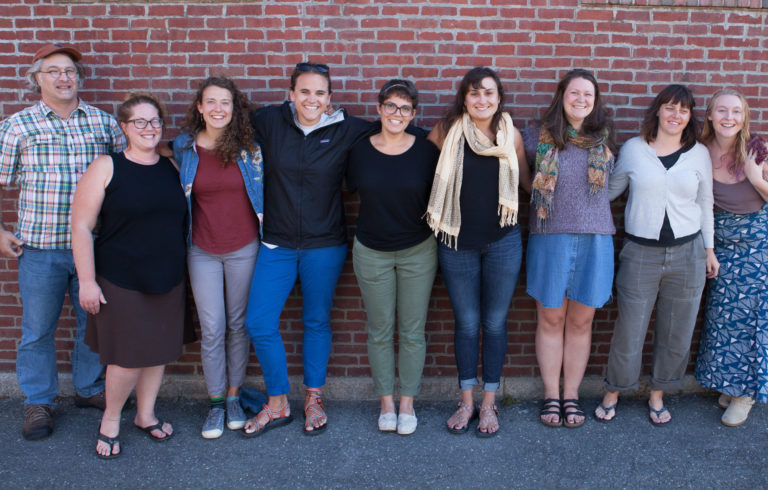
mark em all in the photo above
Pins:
pixel 672 94
pixel 310 67
pixel 404 88
pixel 125 110
pixel 32 84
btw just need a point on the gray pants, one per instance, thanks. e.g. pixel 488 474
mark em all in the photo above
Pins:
pixel 401 281
pixel 220 284
pixel 676 275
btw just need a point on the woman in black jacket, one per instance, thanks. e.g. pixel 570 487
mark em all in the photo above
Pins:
pixel 304 236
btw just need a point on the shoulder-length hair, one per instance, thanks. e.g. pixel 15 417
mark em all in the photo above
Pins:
pixel 738 154
pixel 672 94
pixel 473 79
pixel 238 135
pixel 594 124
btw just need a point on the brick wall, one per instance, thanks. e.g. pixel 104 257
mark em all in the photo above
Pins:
pixel 166 47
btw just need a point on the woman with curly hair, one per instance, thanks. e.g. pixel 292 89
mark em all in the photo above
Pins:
pixel 733 354
pixel 473 210
pixel 221 174
pixel 569 265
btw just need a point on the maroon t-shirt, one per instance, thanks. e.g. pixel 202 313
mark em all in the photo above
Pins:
pixel 223 219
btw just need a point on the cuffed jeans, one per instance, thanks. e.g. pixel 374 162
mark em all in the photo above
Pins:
pixel 396 281
pixel 674 275
pixel 480 285
pixel 273 279
pixel 45 276
pixel 220 284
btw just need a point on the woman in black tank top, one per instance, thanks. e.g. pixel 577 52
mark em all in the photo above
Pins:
pixel 132 276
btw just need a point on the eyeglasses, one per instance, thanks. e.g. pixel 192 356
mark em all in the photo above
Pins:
pixel 390 108
pixel 142 123
pixel 55 73
pixel 312 66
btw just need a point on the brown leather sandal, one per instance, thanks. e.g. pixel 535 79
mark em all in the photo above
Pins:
pixel 463 415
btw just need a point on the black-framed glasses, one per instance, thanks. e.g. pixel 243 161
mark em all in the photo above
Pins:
pixel 142 123
pixel 390 108
pixel 322 68
pixel 55 73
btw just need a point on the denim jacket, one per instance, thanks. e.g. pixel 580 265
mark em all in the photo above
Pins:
pixel 250 165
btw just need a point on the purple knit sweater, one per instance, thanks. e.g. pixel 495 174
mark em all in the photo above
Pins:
pixel 575 211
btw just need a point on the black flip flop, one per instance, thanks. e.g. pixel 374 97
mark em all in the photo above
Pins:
pixel 157 426
pixel 111 441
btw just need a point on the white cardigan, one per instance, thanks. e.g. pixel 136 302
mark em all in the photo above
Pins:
pixel 684 191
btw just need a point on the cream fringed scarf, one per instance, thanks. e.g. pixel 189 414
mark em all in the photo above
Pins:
pixel 443 213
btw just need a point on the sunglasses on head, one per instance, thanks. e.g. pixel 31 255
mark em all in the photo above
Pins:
pixel 312 66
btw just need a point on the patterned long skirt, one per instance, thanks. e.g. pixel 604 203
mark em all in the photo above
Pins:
pixel 733 354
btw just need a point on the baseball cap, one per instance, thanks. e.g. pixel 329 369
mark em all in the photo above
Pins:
pixel 52 48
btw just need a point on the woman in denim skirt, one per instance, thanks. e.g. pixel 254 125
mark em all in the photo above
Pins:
pixel 668 251
pixel 569 266
pixel 473 209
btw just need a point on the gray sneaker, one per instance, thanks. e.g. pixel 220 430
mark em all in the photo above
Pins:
pixel 235 414
pixel 214 423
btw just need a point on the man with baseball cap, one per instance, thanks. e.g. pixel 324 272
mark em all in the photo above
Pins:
pixel 44 149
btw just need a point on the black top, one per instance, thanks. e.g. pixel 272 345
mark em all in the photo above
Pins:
pixel 140 244
pixel 394 191
pixel 666 235
pixel 479 202
pixel 303 176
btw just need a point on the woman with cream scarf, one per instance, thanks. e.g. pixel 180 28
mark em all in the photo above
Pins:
pixel 473 211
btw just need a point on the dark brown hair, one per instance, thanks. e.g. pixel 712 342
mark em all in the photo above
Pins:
pixel 473 79
pixel 404 88
pixel 309 67
pixel 596 122
pixel 238 135
pixel 672 94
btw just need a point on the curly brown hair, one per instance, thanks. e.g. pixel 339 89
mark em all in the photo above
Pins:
pixel 238 135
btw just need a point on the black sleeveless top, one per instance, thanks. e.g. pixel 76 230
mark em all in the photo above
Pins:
pixel 140 242
pixel 479 202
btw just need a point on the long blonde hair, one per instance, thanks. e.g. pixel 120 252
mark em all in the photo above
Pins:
pixel 735 158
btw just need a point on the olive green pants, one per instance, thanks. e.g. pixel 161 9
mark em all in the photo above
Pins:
pixel 399 283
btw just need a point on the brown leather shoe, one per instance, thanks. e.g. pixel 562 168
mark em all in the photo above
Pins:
pixel 96 401
pixel 38 422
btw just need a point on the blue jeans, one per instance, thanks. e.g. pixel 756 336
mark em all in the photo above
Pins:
pixel 480 285
pixel 273 279
pixel 44 278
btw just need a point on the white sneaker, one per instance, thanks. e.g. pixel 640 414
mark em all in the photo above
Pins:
pixel 388 422
pixel 737 411
pixel 406 423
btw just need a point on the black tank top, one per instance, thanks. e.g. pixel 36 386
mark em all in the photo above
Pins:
pixel 140 242
pixel 479 202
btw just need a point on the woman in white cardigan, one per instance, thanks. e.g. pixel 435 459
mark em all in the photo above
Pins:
pixel 668 252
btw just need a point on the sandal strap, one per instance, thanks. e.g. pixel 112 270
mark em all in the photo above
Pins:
pixel 485 409
pixel 313 404
pixel 571 407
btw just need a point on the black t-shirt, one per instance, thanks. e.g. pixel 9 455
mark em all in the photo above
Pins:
pixel 394 191
pixel 479 202
pixel 666 235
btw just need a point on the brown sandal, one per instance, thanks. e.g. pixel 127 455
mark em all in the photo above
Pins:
pixel 314 409
pixel 463 415
pixel 276 418
pixel 488 415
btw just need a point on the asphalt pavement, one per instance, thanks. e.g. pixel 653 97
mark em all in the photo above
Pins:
pixel 693 451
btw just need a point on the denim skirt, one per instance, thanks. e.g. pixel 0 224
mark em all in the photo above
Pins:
pixel 577 266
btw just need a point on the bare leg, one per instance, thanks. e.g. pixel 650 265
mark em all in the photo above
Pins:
pixel 147 388
pixel 578 342
pixel 406 404
pixel 656 402
pixel 549 350
pixel 233 391
pixel 118 386
pixel 388 404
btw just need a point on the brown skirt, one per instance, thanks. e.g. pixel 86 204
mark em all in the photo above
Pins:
pixel 135 329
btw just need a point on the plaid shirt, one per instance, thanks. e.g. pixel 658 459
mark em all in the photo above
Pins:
pixel 46 156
